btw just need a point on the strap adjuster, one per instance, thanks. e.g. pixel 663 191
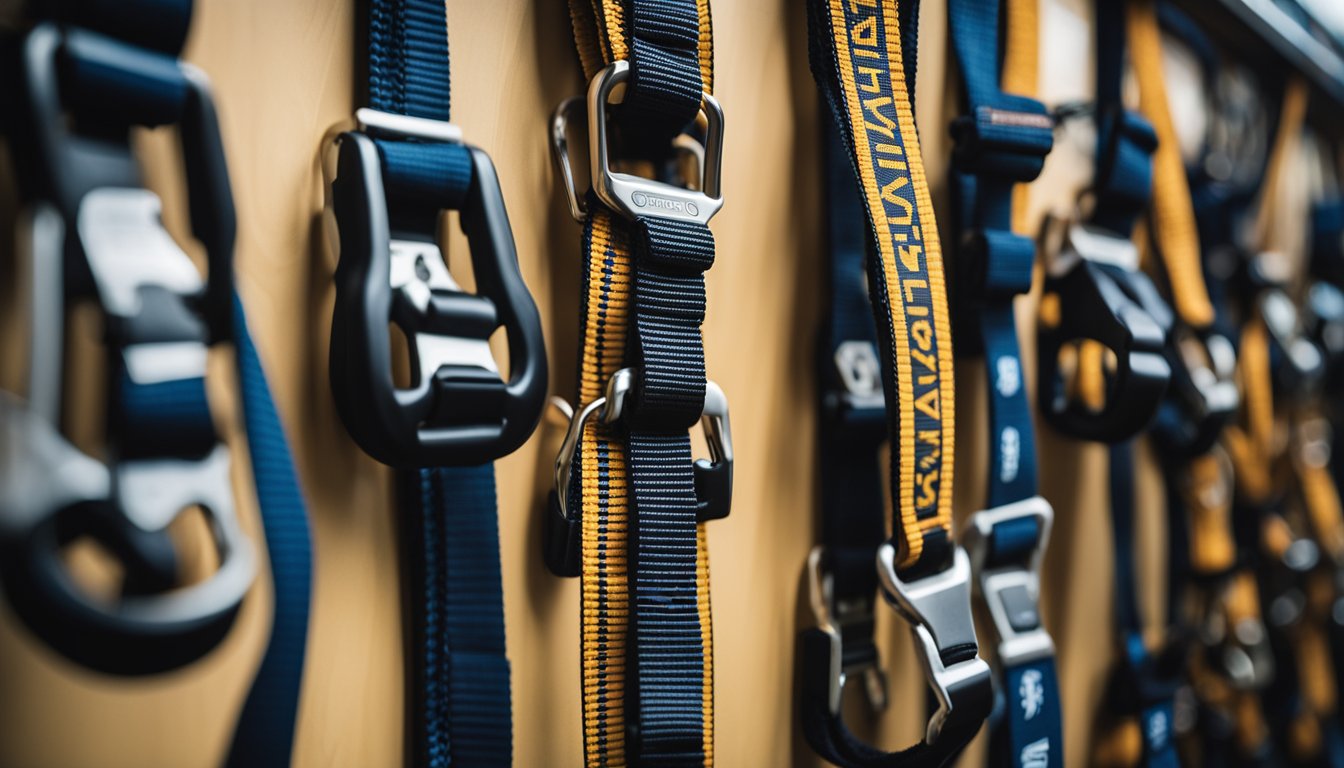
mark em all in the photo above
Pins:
pixel 713 477
pixel 457 409
pixel 631 195
pixel 938 608
pixel 1011 143
pixel 1097 294
pixel 1009 582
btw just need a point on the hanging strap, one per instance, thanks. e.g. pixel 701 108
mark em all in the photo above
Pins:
pixel 264 735
pixel 632 501
pixel 459 701
pixel 862 55
pixel 1001 143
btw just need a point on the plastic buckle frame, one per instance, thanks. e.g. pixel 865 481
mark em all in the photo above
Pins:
pixel 374 287
pixel 938 608
pixel 993 582
pixel 1103 297
pixel 118 250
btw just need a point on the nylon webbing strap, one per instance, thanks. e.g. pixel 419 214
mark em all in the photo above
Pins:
pixel 264 734
pixel 646 631
pixel 862 56
pixel 459 701
pixel 856 54
pixel 1000 143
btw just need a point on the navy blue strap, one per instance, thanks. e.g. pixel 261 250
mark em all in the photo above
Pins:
pixel 1003 140
pixel 264 735
pixel 1141 686
pixel 1125 139
pixel 457 667
pixel 666 83
pixel 852 424
pixel 460 705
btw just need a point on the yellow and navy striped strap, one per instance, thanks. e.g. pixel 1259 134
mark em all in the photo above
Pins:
pixel 858 51
pixel 858 63
pixel 646 635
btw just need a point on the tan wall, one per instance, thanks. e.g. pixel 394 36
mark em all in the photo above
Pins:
pixel 282 74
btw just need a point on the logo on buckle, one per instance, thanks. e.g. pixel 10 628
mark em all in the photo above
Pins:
pixel 644 200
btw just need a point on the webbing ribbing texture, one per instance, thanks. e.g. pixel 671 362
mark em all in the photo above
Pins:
pixel 857 60
pixel 647 644
pixel 457 667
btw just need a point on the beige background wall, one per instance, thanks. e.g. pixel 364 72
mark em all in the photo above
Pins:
pixel 282 75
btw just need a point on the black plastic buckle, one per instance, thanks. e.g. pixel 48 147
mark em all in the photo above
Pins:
pixel 91 215
pixel 1102 297
pixel 1203 394
pixel 457 409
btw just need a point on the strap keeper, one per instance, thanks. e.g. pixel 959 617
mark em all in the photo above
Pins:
pixel 1000 264
pixel 1009 142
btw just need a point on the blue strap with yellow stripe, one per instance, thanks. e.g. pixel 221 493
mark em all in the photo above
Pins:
pixel 862 56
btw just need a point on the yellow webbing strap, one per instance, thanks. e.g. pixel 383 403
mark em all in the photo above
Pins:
pixel 1292 115
pixel 601 38
pixel 879 125
pixel 1021 68
pixel 606 498
pixel 1209 502
pixel 1172 214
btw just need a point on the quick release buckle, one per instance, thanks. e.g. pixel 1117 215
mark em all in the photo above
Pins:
pixel 1011 587
pixel 1094 293
pixel 457 409
pixel 938 608
pixel 632 195
pixel 832 619
pixel 96 233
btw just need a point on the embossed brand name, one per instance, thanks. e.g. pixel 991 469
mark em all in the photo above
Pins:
pixel 684 207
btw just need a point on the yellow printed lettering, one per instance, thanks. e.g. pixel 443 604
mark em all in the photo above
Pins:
pixel 922 331
pixel 910 255
pixel 928 404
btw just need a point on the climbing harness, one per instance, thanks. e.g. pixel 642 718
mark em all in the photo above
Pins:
pixel 629 507
pixel 862 56
pixel 88 74
pixel 1002 141
pixel 397 172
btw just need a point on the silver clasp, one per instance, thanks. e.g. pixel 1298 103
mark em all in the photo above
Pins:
pixel 938 608
pixel 1012 591
pixel 820 596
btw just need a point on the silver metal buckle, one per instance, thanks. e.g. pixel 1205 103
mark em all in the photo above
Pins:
pixel 819 596
pixel 938 608
pixel 609 408
pixel 995 585
pixel 1078 241
pixel 635 196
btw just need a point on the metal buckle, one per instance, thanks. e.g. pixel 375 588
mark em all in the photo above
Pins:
pixel 819 597
pixel 636 196
pixel 1242 651
pixel 861 373
pixel 1012 592
pixel 1306 365
pixel 713 477
pixel 1203 368
pixel 938 608
pixel 392 125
